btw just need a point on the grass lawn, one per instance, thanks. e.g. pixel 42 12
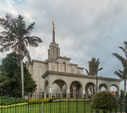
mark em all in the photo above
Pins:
pixel 55 107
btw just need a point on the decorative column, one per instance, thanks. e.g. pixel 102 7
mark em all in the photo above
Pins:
pixel 74 92
pixel 45 94
pixel 50 92
pixel 61 93
pixel 68 92
pixel 108 88
pixel 83 93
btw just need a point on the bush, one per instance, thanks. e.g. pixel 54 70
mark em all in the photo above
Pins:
pixel 38 101
pixel 11 100
pixel 104 101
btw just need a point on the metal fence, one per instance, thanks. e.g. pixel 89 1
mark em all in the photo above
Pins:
pixel 54 105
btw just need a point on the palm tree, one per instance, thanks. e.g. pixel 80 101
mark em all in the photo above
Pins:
pixel 122 73
pixel 16 37
pixel 94 69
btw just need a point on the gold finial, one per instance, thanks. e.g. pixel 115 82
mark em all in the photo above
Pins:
pixel 53 26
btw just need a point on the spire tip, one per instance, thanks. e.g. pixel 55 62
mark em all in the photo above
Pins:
pixel 53 26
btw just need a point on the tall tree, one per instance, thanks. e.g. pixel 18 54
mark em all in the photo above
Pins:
pixel 17 36
pixel 10 80
pixel 93 67
pixel 122 73
pixel 93 70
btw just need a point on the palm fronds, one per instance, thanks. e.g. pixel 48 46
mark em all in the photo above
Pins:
pixel 122 73
pixel 16 36
pixel 93 67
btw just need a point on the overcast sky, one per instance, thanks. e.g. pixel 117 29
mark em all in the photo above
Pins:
pixel 84 28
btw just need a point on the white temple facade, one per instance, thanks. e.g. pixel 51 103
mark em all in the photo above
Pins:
pixel 58 70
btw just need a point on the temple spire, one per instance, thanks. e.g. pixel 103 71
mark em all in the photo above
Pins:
pixel 53 32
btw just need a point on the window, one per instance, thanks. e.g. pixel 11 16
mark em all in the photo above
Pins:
pixel 72 69
pixel 55 53
pixel 78 72
pixel 64 66
pixel 57 66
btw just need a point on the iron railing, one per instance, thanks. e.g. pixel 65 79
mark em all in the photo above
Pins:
pixel 54 105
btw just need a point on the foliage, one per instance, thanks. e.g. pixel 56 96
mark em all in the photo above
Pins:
pixel 93 67
pixel 9 100
pixel 105 101
pixel 9 63
pixel 10 80
pixel 16 36
pixel 122 73
pixel 38 101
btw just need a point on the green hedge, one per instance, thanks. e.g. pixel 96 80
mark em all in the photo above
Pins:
pixel 10 100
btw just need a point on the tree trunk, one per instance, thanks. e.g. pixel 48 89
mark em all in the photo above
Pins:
pixel 96 83
pixel 22 78
pixel 124 86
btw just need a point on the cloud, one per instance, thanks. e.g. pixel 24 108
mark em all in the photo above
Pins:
pixel 84 29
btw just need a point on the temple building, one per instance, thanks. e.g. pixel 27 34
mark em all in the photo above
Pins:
pixel 68 78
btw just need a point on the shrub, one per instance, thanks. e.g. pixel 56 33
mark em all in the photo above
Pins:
pixel 38 101
pixel 104 101
pixel 11 100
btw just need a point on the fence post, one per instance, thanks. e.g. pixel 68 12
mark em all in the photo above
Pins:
pixel 115 110
pixel 39 101
pixel 68 104
pixel 7 103
pixel 42 107
pixel 84 105
pixel 1 104
pixel 126 104
pixel 91 109
pixel 15 104
pixel 97 111
pixel 120 102
pixel 50 102
pixel 76 103
pixel 28 102
pixel 60 104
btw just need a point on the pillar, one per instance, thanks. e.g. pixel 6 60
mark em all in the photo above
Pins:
pixel 83 93
pixel 108 88
pixel 61 95
pixel 74 92
pixel 55 94
pixel 45 94
pixel 50 92
pixel 68 92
